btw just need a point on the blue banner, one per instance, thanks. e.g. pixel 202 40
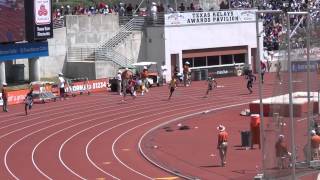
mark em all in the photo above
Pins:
pixel 10 52
pixel 302 66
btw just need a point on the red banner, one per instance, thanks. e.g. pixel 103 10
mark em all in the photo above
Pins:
pixel 17 97
pixel 99 85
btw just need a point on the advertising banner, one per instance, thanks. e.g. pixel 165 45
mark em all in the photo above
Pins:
pixel 23 50
pixel 1 101
pixel 210 17
pixel 224 71
pixel 98 85
pixel 302 66
pixel 17 97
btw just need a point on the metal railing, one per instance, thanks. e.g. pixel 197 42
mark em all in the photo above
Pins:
pixel 106 50
pixel 81 54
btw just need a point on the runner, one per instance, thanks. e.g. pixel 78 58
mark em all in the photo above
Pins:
pixel 250 77
pixel 172 86
pixel 125 76
pixel 28 101
pixel 212 83
pixel 132 87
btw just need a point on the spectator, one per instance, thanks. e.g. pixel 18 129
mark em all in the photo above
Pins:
pixel 4 92
pixel 169 9
pixel 182 7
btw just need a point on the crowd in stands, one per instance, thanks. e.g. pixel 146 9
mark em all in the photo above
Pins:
pixel 273 24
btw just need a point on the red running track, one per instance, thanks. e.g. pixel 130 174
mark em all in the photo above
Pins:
pixel 96 137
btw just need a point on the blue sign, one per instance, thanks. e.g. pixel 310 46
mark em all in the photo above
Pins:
pixel 10 52
pixel 302 66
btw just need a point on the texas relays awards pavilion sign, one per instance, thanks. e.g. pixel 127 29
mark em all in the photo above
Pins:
pixel 210 17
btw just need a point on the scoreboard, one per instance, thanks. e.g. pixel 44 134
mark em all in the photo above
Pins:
pixel 25 20
pixel 12 21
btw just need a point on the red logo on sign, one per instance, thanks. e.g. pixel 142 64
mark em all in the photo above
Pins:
pixel 42 11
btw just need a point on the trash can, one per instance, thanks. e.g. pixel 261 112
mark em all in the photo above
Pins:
pixel 114 84
pixel 204 74
pixel 197 75
pixel 245 138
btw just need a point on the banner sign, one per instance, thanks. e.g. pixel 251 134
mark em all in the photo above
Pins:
pixel 98 85
pixel 15 97
pixel 210 17
pixel 23 50
pixel 302 66
pixel 1 100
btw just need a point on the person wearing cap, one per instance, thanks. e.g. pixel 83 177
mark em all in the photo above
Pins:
pixel 282 152
pixel 119 82
pixel 144 76
pixel 4 92
pixel 186 71
pixel 61 86
pixel 222 144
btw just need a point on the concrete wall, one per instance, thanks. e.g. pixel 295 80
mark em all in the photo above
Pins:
pixel 90 31
pixel 155 45
pixel 131 47
pixel 53 64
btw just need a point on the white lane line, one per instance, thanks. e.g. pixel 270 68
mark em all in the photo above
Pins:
pixel 40 109
pixel 60 149
pixel 70 109
pixel 173 120
pixel 78 133
pixel 87 147
pixel 34 132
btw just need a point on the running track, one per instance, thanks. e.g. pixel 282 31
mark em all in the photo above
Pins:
pixel 96 136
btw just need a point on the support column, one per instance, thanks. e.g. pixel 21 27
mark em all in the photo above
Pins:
pixel 2 72
pixel 34 69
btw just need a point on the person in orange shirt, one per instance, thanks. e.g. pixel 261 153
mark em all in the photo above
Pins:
pixel 4 97
pixel 222 144
pixel 315 142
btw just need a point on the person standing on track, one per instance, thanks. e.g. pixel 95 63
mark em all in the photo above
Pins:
pixel 278 69
pixel 212 83
pixel 61 85
pixel 186 71
pixel 144 76
pixel 172 86
pixel 4 92
pixel 222 144
pixel 119 82
pixel 251 78
pixel 28 101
